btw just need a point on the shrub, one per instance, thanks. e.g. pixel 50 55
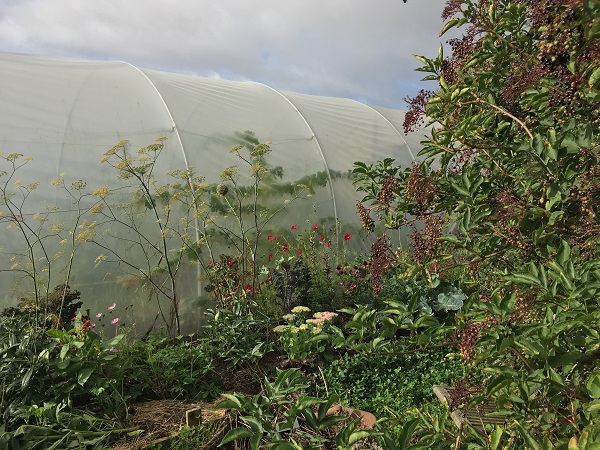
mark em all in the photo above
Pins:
pixel 508 190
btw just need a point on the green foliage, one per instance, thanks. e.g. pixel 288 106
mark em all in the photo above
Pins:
pixel 168 368
pixel 271 418
pixel 237 333
pixel 20 363
pixel 373 328
pixel 57 388
pixel 77 359
pixel 57 427
pixel 428 293
pixel 509 191
pixel 398 381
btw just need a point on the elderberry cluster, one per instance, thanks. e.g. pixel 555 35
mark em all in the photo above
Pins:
pixel 562 42
pixel 466 338
pixel 387 193
pixel 415 116
pixel 364 214
pixel 508 211
pixel 382 257
pixel 425 243
pixel 420 189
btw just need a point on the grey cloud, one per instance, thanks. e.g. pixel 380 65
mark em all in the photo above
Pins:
pixel 350 48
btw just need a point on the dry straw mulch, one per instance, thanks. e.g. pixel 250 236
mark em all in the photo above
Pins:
pixel 160 419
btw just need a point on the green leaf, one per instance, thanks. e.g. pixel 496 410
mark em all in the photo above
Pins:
pixel 503 370
pixel 564 359
pixel 254 424
pixel 27 378
pixel 459 189
pixel 531 443
pixel 84 375
pixel 450 24
pixel 407 431
pixel 592 407
pixel 564 253
pixel 495 437
pixel 308 402
pixel 451 299
pixel 550 152
pixel 584 138
pixel 232 402
pixel 255 441
pixel 422 59
pixel 595 78
pixel 593 385
pixel 235 434
pixel 523 278
pixel 358 436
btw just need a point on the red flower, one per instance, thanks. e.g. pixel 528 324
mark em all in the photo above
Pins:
pixel 285 247
pixel 315 226
pixel 229 262
pixel 270 256
pixel 328 243
pixel 210 264
pixel 347 237
pixel 299 252
pixel 275 238
pixel 269 237
pixel 294 226
pixel 321 238
pixel 249 288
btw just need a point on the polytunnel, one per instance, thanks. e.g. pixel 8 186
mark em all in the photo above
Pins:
pixel 62 115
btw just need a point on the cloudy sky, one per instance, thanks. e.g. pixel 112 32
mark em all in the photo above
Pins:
pixel 360 49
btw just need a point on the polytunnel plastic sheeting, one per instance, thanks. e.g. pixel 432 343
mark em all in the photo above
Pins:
pixel 209 113
pixel 349 131
pixel 66 113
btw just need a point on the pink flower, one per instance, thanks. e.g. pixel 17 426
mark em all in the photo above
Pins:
pixel 299 252
pixel 328 315
pixel 294 227
pixel 113 306
pixel 98 315
pixel 347 237
pixel 115 320
pixel 315 226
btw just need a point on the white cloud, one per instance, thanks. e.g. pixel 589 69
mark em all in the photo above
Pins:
pixel 350 48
